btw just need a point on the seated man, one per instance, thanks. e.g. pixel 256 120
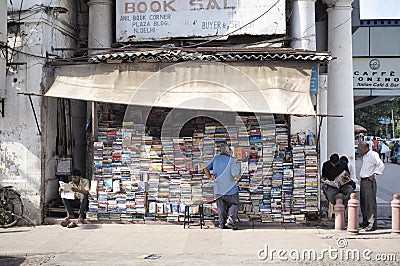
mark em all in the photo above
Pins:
pixel 80 186
pixel 330 170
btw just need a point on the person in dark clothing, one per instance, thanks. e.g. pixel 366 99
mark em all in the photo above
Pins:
pixel 330 170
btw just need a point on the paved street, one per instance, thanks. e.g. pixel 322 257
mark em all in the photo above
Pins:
pixel 117 244
pixel 113 244
pixel 388 183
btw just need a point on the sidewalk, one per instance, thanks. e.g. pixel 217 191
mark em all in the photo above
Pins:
pixel 116 244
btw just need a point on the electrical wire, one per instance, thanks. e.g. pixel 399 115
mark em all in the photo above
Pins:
pixel 20 52
pixel 19 29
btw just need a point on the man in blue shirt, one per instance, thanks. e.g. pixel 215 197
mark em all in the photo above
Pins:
pixel 225 176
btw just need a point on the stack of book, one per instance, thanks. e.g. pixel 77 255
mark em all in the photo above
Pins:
pixel 163 188
pixel 152 186
pixel 179 157
pixel 168 155
pixel 188 153
pixel 207 189
pixel 196 187
pixel 276 190
pixel 98 160
pixel 311 192
pixel 299 179
pixel 156 157
pixel 287 187
pixel 186 190
pixel 208 144
pixel 197 152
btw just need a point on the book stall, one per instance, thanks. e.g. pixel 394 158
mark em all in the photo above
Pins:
pixel 142 175
pixel 143 171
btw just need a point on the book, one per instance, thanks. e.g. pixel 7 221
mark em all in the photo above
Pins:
pixel 238 153
pixel 66 191
pixel 340 180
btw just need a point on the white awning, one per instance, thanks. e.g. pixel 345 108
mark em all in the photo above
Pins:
pixel 261 87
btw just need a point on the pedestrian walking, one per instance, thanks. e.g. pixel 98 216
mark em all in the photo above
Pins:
pixel 371 167
pixel 385 151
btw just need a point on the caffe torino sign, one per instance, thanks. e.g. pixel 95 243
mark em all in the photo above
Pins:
pixel 376 73
pixel 147 20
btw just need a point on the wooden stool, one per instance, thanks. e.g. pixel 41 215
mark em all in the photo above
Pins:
pixel 188 216
pixel 331 211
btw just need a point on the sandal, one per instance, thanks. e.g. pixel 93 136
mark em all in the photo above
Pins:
pixel 64 223
pixel 72 225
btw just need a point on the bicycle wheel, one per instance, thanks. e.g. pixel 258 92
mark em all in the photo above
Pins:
pixel 11 207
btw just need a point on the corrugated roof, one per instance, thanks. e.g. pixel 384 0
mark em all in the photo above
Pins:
pixel 211 54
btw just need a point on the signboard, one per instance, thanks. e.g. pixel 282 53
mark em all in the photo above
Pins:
pixel 149 20
pixel 376 73
pixel 64 166
pixel 384 120
pixel 314 80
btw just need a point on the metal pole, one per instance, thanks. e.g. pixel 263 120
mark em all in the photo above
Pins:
pixel 3 52
pixel 34 113
pixel 392 126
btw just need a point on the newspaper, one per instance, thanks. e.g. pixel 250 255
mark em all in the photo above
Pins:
pixel 66 192
pixel 340 180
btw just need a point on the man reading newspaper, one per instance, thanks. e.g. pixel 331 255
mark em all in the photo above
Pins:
pixel 75 194
pixel 336 179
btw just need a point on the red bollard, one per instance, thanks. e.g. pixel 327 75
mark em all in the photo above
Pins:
pixel 339 214
pixel 396 213
pixel 352 220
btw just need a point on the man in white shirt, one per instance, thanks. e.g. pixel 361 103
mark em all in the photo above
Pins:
pixel 371 167
pixel 370 144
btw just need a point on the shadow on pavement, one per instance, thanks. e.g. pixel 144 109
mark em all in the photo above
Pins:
pixel 90 226
pixel 11 261
pixel 14 231
pixel 374 233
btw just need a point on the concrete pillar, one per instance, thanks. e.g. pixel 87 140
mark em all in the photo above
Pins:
pixel 100 36
pixel 78 124
pixel 353 206
pixel 323 109
pixel 100 24
pixel 303 25
pixel 3 41
pixel 303 33
pixel 340 81
pixel 339 214
pixel 396 213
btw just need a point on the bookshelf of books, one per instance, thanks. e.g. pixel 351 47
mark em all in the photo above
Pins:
pixel 138 177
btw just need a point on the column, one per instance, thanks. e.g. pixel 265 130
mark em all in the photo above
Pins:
pixel 100 36
pixel 303 25
pixel 322 109
pixel 304 37
pixel 340 79
pixel 100 24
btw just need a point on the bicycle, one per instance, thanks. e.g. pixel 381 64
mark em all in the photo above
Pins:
pixel 11 206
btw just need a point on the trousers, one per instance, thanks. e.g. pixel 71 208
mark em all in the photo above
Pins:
pixel 368 202
pixel 76 203
pixel 331 193
pixel 228 207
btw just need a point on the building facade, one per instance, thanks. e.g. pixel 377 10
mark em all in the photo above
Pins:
pixel 68 36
